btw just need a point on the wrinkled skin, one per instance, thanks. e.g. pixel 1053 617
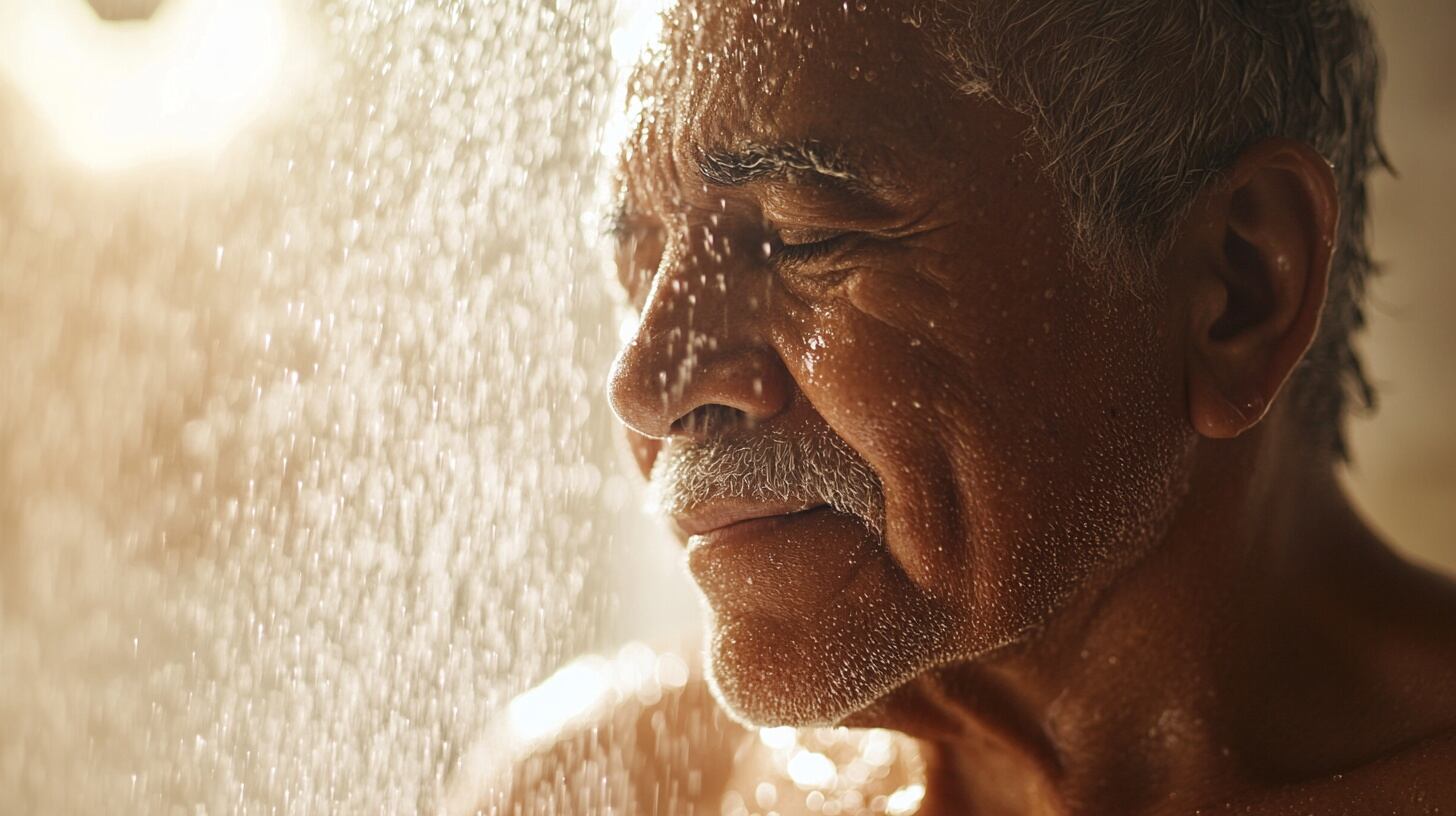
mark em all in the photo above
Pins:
pixel 1115 576
pixel 1022 416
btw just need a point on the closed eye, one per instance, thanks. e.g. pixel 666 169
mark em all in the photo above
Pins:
pixel 790 250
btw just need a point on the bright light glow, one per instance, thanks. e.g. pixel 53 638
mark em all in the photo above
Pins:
pixel 905 801
pixel 878 747
pixel 812 770
pixel 672 672
pixel 639 24
pixel 781 737
pixel 565 696
pixel 120 94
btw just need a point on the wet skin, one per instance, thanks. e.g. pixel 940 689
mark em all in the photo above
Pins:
pixel 1022 417
pixel 1115 575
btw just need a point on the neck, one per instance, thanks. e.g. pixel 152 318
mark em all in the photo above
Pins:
pixel 1184 677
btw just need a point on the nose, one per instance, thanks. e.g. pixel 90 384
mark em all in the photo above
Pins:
pixel 700 359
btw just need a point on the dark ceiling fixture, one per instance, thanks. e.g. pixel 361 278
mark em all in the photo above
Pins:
pixel 124 9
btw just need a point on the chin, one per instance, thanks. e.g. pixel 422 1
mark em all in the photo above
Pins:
pixel 761 683
pixel 792 653
pixel 773 666
pixel 807 619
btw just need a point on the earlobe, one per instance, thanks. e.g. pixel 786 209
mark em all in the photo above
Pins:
pixel 1260 255
pixel 1218 414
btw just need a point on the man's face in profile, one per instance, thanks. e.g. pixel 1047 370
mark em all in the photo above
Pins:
pixel 894 418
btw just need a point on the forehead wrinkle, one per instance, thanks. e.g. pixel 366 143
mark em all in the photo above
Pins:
pixel 692 101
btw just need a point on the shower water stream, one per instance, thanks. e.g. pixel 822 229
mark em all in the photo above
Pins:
pixel 303 460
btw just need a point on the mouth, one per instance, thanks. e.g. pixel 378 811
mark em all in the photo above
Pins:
pixel 734 518
pixel 778 561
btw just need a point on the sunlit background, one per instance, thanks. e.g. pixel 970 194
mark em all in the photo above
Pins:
pixel 305 469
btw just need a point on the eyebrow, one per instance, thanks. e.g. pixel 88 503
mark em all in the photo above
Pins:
pixel 749 163
pixel 753 162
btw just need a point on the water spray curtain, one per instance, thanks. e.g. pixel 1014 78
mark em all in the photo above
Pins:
pixel 300 443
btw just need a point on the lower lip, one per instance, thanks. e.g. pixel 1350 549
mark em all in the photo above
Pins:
pixel 754 530
pixel 788 567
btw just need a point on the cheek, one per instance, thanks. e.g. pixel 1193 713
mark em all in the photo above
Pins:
pixel 1020 434
pixel 892 393
pixel 1073 442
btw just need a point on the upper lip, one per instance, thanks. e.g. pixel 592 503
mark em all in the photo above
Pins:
pixel 720 513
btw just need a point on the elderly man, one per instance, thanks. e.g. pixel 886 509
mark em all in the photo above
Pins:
pixel 991 363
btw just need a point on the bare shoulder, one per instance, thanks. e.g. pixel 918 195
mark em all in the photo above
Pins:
pixel 1419 779
pixel 1417 646
pixel 635 733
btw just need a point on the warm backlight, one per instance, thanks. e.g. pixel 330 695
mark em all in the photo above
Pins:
pixel 119 94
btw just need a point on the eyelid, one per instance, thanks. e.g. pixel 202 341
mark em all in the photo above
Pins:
pixel 824 243
pixel 798 236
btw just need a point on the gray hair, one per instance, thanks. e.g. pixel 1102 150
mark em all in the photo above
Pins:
pixel 809 469
pixel 1142 103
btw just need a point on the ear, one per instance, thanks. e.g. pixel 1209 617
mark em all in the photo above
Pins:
pixel 1258 246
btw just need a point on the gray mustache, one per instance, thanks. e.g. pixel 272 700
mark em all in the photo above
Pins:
pixel 819 468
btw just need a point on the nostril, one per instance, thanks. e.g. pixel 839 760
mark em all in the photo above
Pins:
pixel 712 419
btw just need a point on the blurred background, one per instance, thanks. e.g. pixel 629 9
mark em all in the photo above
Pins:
pixel 305 467
pixel 1404 473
